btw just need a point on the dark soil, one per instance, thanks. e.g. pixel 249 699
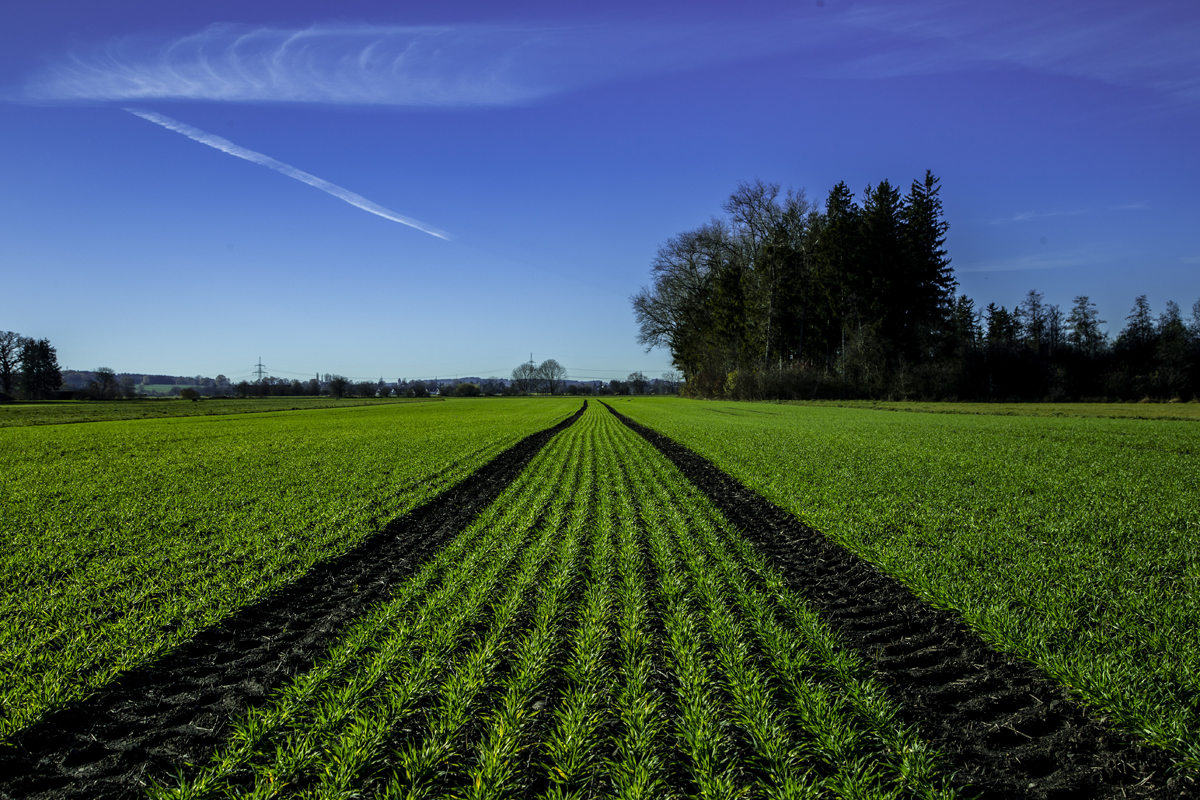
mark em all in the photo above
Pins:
pixel 1005 728
pixel 157 718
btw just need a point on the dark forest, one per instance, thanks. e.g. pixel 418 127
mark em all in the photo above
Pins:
pixel 784 299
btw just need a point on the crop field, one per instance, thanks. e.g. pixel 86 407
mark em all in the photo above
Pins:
pixel 1073 543
pixel 599 630
pixel 123 539
pixel 519 598
pixel 67 411
pixel 1189 411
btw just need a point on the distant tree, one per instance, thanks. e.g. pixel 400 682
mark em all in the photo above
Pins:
pixel 1139 327
pixel 550 375
pixel 637 382
pixel 40 373
pixel 1171 354
pixel 1083 327
pixel 1056 329
pixel 417 389
pixel 365 388
pixel 189 393
pixel 671 381
pixel 10 360
pixel 313 387
pixel 104 384
pixel 467 390
pixel 618 387
pixel 1032 315
pixel 243 388
pixel 1003 326
pixel 128 388
pixel 966 334
pixel 338 385
pixel 525 377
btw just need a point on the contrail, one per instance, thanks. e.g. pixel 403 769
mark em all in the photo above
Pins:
pixel 226 146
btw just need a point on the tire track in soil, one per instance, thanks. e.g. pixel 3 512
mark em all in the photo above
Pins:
pixel 1006 729
pixel 154 718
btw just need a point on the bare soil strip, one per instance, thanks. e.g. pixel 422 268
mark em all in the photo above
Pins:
pixel 156 718
pixel 1005 728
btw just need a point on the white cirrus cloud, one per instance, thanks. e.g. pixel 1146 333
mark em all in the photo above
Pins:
pixel 1150 47
pixel 226 146
pixel 378 65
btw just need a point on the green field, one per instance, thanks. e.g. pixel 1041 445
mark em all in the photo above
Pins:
pixel 1189 411
pixel 66 411
pixel 598 631
pixel 1071 542
pixel 123 539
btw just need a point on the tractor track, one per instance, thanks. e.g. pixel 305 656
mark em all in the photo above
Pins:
pixel 1006 729
pixel 155 718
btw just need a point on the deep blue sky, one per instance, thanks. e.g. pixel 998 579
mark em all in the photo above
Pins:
pixel 558 145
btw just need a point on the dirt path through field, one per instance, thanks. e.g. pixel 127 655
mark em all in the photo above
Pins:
pixel 1002 725
pixel 176 710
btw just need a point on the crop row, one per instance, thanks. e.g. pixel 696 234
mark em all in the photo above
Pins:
pixel 599 630
pixel 122 539
pixel 1073 543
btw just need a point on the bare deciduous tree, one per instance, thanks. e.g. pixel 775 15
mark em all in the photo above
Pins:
pixel 10 357
pixel 525 377
pixel 105 383
pixel 550 375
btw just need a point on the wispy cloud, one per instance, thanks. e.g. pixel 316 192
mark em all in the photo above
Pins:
pixel 226 146
pixel 376 65
pixel 1023 216
pixel 1122 44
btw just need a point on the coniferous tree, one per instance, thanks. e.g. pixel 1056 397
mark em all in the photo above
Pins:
pixel 888 295
pixel 929 273
pixel 1138 332
pixel 837 255
pixel 40 373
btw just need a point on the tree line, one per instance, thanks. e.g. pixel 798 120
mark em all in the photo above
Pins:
pixel 783 298
pixel 28 367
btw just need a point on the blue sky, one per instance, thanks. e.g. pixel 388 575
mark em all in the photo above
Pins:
pixel 438 189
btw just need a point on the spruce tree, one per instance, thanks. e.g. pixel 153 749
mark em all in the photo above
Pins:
pixel 40 373
pixel 927 263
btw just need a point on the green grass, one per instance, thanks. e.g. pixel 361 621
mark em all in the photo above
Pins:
pixel 59 412
pixel 1071 542
pixel 123 539
pixel 1189 411
pixel 599 630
